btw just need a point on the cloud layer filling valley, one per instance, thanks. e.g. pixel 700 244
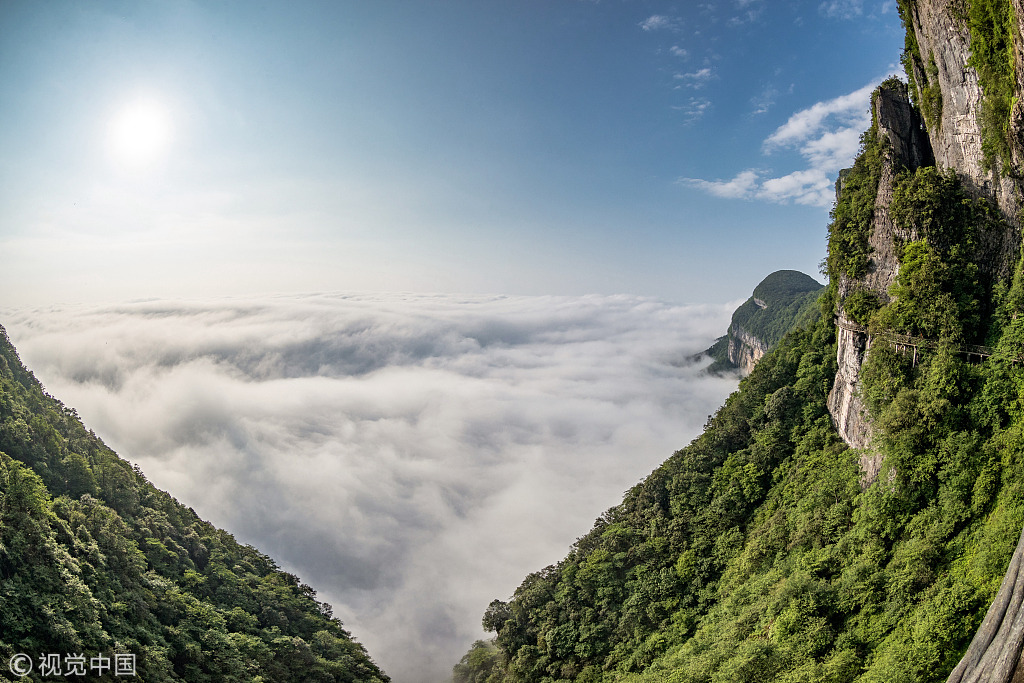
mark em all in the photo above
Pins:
pixel 410 457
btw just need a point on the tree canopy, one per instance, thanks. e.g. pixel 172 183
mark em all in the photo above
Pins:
pixel 94 559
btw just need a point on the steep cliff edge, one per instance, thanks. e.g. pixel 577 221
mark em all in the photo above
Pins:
pixel 95 560
pixel 780 302
pixel 948 131
pixel 966 63
pixel 949 89
pixel 897 143
pixel 995 653
pixel 745 349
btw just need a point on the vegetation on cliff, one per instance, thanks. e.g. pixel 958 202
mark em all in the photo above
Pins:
pixel 784 300
pixel 993 25
pixel 95 560
pixel 925 90
pixel 757 553
pixel 850 229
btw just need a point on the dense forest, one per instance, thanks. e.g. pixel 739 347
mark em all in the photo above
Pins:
pixel 755 554
pixel 762 551
pixel 95 561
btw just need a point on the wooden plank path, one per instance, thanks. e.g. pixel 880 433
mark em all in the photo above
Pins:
pixel 907 342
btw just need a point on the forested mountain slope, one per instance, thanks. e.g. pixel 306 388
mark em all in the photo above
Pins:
pixel 783 300
pixel 94 560
pixel 778 547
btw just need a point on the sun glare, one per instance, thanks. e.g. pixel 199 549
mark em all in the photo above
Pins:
pixel 140 133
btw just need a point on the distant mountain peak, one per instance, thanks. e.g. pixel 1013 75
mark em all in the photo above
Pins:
pixel 782 301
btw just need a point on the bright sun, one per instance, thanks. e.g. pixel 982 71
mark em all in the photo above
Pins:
pixel 140 133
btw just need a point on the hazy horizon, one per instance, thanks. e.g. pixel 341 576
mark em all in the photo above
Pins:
pixel 185 148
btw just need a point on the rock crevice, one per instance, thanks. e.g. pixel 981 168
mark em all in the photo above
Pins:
pixel 956 137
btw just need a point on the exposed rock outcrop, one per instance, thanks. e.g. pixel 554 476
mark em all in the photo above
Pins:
pixel 994 655
pixel 905 146
pixel 848 412
pixel 745 349
pixel 782 301
pixel 944 40
pixel 956 137
pixel 952 97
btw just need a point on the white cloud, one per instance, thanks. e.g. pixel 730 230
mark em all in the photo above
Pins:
pixel 411 457
pixel 751 11
pixel 764 100
pixel 842 9
pixel 694 108
pixel 743 186
pixel 696 79
pixel 811 187
pixel 851 109
pixel 656 22
pixel 826 135
pixel 834 149
pixel 677 51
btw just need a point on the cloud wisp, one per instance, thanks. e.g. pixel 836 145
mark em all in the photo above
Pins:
pixel 827 138
pixel 695 79
pixel 658 22
pixel 412 457
pixel 842 9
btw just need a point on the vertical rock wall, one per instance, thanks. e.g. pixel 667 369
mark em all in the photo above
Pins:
pixel 953 141
pixel 745 349
pixel 905 146
pixel 848 412
pixel 956 135
pixel 943 40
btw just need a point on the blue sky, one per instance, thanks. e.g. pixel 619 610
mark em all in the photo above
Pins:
pixel 675 150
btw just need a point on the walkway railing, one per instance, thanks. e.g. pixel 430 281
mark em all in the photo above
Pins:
pixel 908 342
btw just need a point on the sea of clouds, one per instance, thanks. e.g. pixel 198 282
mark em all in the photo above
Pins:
pixel 412 457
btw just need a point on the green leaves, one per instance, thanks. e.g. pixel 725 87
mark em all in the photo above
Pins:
pixel 938 292
pixel 755 554
pixel 993 24
pixel 850 229
pixel 94 559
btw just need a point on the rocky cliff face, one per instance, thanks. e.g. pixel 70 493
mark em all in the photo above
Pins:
pixel 952 139
pixel 782 301
pixel 952 96
pixel 944 44
pixel 745 349
pixel 905 146
pixel 943 41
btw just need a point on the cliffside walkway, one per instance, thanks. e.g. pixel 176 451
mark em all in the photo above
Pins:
pixel 906 342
